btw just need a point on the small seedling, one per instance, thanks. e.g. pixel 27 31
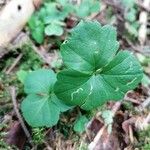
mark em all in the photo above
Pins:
pixel 49 20
pixel 96 73
pixel 41 107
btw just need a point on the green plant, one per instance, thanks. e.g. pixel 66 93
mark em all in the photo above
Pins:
pixel 130 16
pixel 41 107
pixel 96 73
pixel 87 7
pixel 80 123
pixel 144 139
pixel 38 135
pixel 49 20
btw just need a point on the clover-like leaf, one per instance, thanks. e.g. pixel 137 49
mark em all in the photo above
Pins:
pixel 41 107
pixel 96 72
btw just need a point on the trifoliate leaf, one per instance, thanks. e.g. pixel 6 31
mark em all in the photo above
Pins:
pixel 80 123
pixel 98 73
pixel 41 107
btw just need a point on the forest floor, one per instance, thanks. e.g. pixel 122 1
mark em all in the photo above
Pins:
pixel 131 122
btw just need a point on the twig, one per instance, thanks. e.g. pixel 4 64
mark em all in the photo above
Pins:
pixel 3 51
pixel 14 64
pixel 47 146
pixel 116 107
pixel 146 8
pixel 113 4
pixel 93 144
pixel 148 118
pixel 131 100
pixel 136 48
pixel 143 17
pixel 13 95
pixel 96 139
pixel 40 54
pixel 143 105
pixel 131 134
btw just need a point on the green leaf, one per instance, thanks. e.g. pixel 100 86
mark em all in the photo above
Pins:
pixel 131 15
pixel 37 29
pixel 38 34
pixel 21 74
pixel 40 110
pixel 41 107
pixel 91 46
pixel 53 29
pixel 80 123
pixel 40 82
pixel 87 7
pixel 53 14
pixel 96 72
pixel 95 7
pixel 67 7
pixel 108 115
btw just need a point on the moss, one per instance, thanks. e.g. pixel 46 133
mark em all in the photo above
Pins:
pixel 144 139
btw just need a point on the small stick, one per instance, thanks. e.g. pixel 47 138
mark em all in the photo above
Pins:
pixel 13 95
pixel 96 139
pixel 14 64
pixel 148 118
pixel 40 54
pixel 146 103
pixel 146 8
pixel 116 107
pixel 143 18
pixel 92 145
pixel 113 4
pixel 131 100
pixel 131 134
